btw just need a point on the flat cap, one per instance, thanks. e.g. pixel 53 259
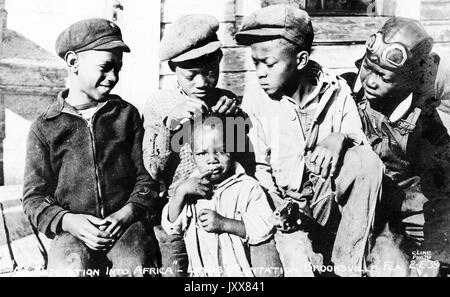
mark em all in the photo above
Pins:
pixel 190 37
pixel 90 34
pixel 285 21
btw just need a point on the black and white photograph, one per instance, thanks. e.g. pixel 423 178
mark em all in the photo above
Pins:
pixel 225 139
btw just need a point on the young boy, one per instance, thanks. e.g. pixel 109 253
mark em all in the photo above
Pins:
pixel 220 209
pixel 86 186
pixel 193 51
pixel 301 115
pixel 402 125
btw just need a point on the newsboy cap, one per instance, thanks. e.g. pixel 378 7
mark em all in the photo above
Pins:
pixel 190 37
pixel 90 34
pixel 285 21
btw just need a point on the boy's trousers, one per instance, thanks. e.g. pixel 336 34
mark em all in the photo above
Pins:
pixel 136 253
pixel 345 206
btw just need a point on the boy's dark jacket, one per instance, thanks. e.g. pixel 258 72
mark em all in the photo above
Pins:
pixel 60 173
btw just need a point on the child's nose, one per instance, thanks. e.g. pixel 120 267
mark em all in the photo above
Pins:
pixel 212 158
pixel 261 70
pixel 372 81
pixel 112 75
pixel 200 81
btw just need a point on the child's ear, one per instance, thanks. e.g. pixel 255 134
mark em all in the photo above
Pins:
pixel 71 59
pixel 302 60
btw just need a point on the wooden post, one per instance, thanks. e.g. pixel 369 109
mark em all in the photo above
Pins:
pixel 3 17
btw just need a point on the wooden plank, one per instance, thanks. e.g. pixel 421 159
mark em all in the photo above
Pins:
pixel 225 33
pixel 7 262
pixel 20 241
pixel 435 10
pixel 23 76
pixel 328 30
pixel 439 30
pixel 345 29
pixel 442 49
pixel 337 56
pixel 223 10
pixel 246 7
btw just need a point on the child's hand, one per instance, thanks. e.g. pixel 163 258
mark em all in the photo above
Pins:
pixel 226 106
pixel 327 155
pixel 185 111
pixel 86 228
pixel 117 223
pixel 211 221
pixel 200 186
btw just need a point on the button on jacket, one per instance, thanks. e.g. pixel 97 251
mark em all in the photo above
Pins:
pixel 77 166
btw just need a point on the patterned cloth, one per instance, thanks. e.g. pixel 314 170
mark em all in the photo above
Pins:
pixel 162 160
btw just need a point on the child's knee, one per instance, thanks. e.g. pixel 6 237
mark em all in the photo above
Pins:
pixel 137 251
pixel 71 255
pixel 364 161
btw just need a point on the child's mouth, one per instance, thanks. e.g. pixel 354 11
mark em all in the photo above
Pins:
pixel 215 170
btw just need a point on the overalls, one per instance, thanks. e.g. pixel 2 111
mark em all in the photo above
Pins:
pixel 400 145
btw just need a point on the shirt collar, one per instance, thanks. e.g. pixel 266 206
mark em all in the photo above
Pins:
pixel 323 82
pixel 401 110
pixel 399 113
pixel 60 105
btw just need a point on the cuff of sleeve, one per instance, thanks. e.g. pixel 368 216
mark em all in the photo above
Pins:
pixel 142 212
pixel 146 196
pixel 356 139
pixel 177 128
pixel 55 225
pixel 256 230
pixel 171 228
pixel 50 220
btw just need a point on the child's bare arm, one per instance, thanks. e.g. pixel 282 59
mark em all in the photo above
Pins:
pixel 199 186
pixel 213 222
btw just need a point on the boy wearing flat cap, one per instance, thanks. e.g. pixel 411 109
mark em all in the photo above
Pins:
pixel 397 99
pixel 193 51
pixel 86 186
pixel 308 143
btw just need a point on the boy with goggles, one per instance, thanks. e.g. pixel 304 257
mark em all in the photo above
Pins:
pixel 397 105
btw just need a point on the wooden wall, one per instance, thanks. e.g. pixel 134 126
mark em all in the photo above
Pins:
pixel 435 15
pixel 339 40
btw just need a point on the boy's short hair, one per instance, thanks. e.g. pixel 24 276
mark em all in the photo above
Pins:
pixel 278 21
pixel 90 34
pixel 234 130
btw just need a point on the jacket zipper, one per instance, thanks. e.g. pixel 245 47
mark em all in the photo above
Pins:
pixel 97 175
pixel 94 152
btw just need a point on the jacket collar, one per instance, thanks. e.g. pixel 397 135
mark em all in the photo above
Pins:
pixel 56 108
pixel 60 105
pixel 323 82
